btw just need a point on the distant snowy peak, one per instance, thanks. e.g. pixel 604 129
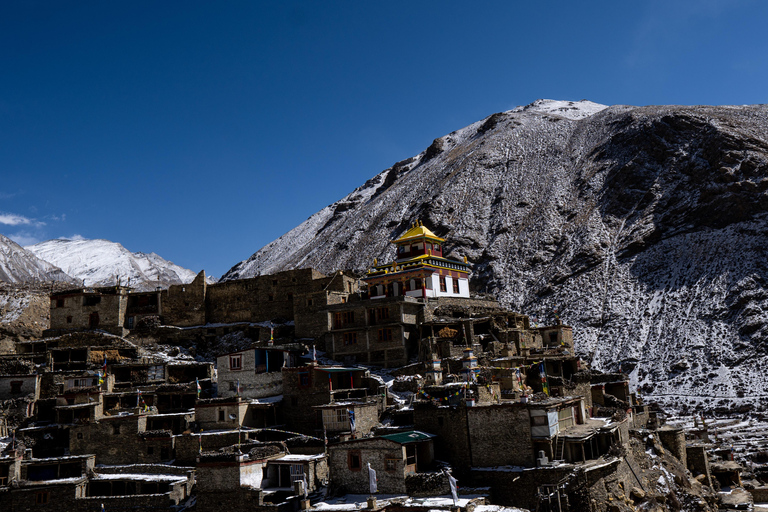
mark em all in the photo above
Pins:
pixel 18 266
pixel 104 263
pixel 569 109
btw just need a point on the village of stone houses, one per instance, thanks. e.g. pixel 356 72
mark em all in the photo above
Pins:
pixel 395 391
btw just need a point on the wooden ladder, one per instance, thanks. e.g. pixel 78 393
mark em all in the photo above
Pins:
pixel 559 448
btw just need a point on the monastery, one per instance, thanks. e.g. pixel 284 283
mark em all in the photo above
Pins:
pixel 290 391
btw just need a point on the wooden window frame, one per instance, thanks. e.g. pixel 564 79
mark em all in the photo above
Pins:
pixel 236 362
pixel 350 455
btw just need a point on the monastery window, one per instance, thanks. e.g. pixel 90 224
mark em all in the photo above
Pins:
pixel 236 362
pixel 343 318
pixel 443 287
pixel 304 380
pixel 353 460
pixel 455 285
pixel 59 303
pixel 350 338
pixel 385 334
pixel 41 498
pixel 401 249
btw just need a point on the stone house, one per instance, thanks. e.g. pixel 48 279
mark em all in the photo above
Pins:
pixel 48 484
pixel 221 413
pixel 339 417
pixel 113 439
pixel 89 308
pixel 383 332
pixel 513 433
pixel 235 481
pixel 257 371
pixel 20 386
pixel 394 457
pixel 312 385
pixel 138 487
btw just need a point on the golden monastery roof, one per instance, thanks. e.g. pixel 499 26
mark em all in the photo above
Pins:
pixel 418 231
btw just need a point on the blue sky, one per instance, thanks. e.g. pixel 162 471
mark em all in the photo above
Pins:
pixel 203 130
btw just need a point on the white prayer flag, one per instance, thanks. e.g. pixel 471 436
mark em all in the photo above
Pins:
pixel 454 492
pixel 372 479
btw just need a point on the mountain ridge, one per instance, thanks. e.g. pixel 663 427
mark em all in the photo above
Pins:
pixel 643 226
pixel 100 262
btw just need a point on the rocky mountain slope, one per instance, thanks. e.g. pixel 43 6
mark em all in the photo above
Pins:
pixel 644 227
pixel 18 265
pixel 103 263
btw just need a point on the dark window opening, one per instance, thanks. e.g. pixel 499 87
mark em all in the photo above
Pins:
pixel 221 416
pixel 69 319
pixel 91 300
pixel 16 387
pixel 59 303
pixel 354 461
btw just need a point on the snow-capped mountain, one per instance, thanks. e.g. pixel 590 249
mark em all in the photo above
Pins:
pixel 17 266
pixel 645 227
pixel 103 263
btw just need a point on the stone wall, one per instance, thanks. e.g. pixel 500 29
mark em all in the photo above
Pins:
pixel 113 439
pixel 183 305
pixel 450 426
pixel 500 435
pixel 673 439
pixel 697 461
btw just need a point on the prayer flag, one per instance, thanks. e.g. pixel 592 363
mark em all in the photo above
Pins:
pixel 454 489
pixel 351 413
pixel 197 382
pixel 372 482
pixel 314 353
pixel 543 374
